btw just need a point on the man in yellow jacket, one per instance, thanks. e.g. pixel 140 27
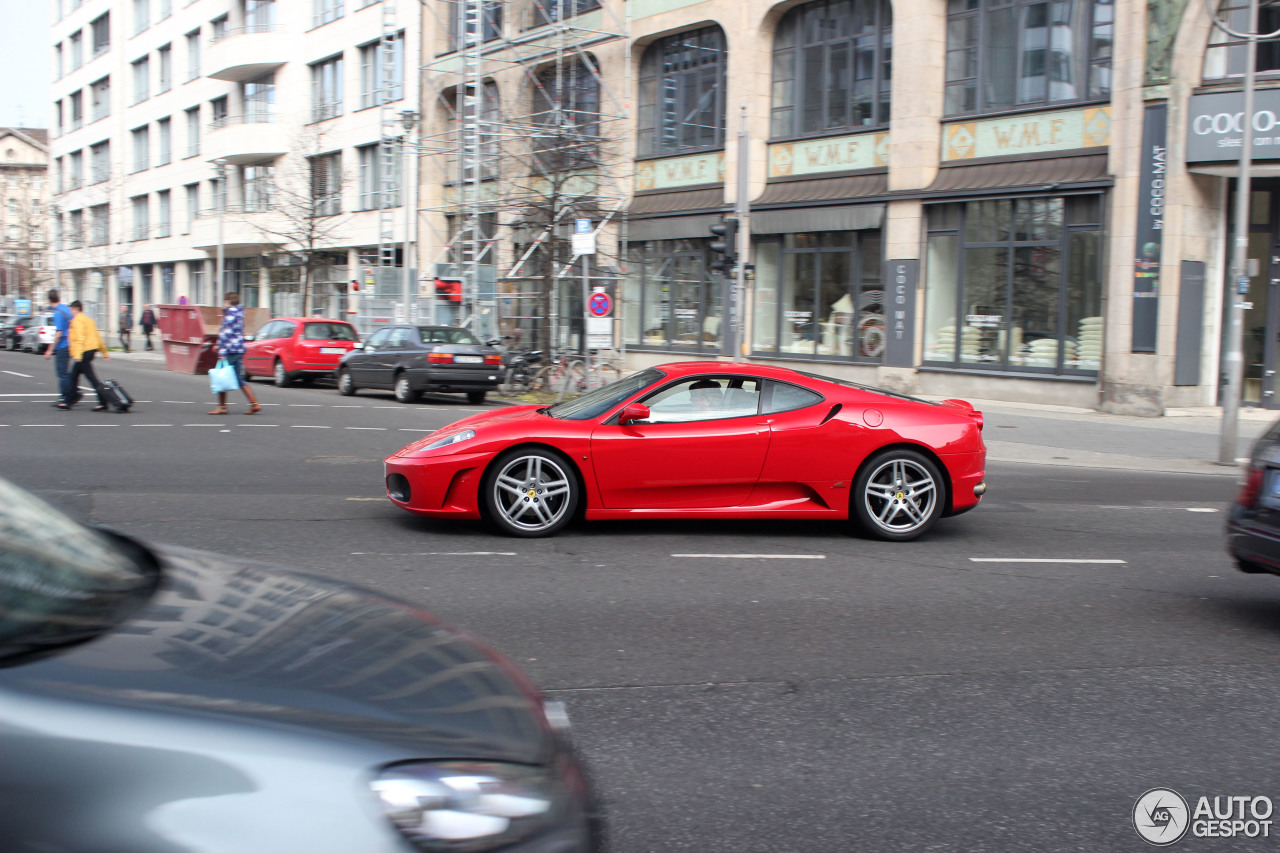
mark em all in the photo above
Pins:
pixel 84 341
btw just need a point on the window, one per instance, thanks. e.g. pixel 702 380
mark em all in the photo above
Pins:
pixel 550 11
pixel 566 101
pixel 462 110
pixel 141 79
pixel 75 161
pixel 75 231
pixel 255 183
pixel 101 28
pixel 77 49
pixel 379 177
pixel 1015 284
pixel 682 81
pixel 462 31
pixel 831 67
pixel 326 11
pixel 193 205
pixel 77 110
pixel 57 118
pixel 1003 54
pixel 326 184
pixel 677 304
pixel 259 16
pixel 164 133
pixel 193 55
pixel 141 148
pixel 141 227
pixel 1226 54
pixel 100 161
pixel 193 132
pixel 259 97
pixel 326 89
pixel 217 194
pixel 141 15
pixel 819 294
pixel 166 9
pixel 218 107
pixel 164 56
pixel 704 398
pixel 57 61
pixel 100 224
pixel 382 72
pixel 100 98
pixel 59 175
pixel 219 27
pixel 163 213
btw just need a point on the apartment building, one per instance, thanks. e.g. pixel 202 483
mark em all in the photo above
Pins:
pixel 24 199
pixel 257 130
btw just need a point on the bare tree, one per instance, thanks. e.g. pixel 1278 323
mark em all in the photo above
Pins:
pixel 24 243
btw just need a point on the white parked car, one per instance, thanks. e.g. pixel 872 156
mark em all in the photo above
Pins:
pixel 37 338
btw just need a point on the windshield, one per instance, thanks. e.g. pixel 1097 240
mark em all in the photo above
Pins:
pixel 446 335
pixel 595 403
pixel 61 582
pixel 329 332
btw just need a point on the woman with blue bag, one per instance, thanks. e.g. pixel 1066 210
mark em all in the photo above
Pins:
pixel 229 376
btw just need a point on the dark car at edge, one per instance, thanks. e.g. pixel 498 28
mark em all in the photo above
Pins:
pixel 411 360
pixel 1253 522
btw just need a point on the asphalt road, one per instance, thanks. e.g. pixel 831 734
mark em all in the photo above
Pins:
pixel 804 689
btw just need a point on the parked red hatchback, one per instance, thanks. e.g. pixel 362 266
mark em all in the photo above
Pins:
pixel 292 348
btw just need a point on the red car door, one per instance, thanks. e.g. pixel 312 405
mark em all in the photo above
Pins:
pixel 689 459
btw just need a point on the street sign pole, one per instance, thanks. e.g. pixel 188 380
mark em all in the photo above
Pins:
pixel 742 209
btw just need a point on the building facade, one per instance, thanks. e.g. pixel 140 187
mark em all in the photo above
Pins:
pixel 258 130
pixel 24 200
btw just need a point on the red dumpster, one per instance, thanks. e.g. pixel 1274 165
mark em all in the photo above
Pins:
pixel 190 335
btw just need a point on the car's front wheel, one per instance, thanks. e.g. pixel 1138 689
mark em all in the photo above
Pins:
pixel 279 375
pixel 346 385
pixel 530 492
pixel 898 495
pixel 475 398
pixel 405 392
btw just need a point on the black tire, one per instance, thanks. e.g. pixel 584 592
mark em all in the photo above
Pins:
pixel 475 398
pixel 530 492
pixel 279 376
pixel 1249 567
pixel 346 385
pixel 898 495
pixel 405 393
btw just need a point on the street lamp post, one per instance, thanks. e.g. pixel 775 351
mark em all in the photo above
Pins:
pixel 220 170
pixel 1240 255
pixel 55 268
pixel 409 198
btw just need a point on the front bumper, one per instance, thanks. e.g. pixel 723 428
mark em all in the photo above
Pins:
pixel 444 486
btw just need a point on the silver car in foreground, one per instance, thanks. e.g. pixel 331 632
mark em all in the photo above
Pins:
pixel 173 700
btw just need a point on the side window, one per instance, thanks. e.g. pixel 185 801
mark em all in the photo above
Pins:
pixel 269 331
pixel 284 330
pixel 379 338
pixel 705 398
pixel 401 337
pixel 783 397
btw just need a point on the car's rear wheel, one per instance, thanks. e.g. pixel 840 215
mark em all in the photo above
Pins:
pixel 279 375
pixel 475 398
pixel 898 495
pixel 530 492
pixel 346 385
pixel 405 392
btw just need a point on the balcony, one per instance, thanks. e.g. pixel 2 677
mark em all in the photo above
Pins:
pixel 248 52
pixel 251 138
pixel 246 230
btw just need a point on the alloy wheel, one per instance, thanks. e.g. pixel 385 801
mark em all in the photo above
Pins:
pixel 533 494
pixel 900 497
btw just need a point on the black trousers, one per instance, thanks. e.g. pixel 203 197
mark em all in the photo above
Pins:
pixel 84 367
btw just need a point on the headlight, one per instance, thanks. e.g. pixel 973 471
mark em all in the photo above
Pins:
pixel 465 806
pixel 451 439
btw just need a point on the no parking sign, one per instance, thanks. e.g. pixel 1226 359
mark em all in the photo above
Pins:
pixel 600 303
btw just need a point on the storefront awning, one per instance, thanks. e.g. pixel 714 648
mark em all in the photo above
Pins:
pixel 850 217
pixel 822 191
pixel 1015 176
pixel 675 216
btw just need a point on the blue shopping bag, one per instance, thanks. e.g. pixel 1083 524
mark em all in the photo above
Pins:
pixel 223 377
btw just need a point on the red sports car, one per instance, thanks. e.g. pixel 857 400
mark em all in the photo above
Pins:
pixel 706 439
pixel 292 348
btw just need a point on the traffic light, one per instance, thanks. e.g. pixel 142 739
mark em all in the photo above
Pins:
pixel 726 244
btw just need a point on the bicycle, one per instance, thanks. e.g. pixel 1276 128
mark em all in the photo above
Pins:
pixel 521 372
pixel 572 375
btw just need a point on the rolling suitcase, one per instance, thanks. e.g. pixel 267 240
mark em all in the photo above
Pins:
pixel 117 397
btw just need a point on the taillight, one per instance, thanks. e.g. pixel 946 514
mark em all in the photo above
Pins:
pixel 440 358
pixel 1248 496
pixel 496 358
pixel 20 329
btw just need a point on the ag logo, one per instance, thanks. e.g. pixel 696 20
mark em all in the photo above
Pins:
pixel 1161 816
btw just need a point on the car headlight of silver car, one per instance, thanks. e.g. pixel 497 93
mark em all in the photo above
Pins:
pixel 450 439
pixel 466 806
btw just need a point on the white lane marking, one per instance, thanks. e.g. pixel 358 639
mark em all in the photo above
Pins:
pixel 304 405
pixel 99 425
pixel 306 426
pixel 1160 508
pixel 212 425
pixel 366 499
pixel 754 556
pixel 180 402
pixel 1043 560
pixel 16 373
pixel 150 424
pixel 379 429
pixel 437 554
pixel 32 394
pixel 346 407
pixel 41 425
pixel 393 407
pixel 259 425
pixel 1201 509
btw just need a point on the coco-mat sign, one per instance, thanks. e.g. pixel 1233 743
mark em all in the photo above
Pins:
pixel 1215 126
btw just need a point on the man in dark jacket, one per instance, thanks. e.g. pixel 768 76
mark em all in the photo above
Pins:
pixel 148 322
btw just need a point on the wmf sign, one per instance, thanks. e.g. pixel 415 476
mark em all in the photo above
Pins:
pixel 1215 126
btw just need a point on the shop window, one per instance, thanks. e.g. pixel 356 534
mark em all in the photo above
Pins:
pixel 1005 54
pixel 819 295
pixel 1226 55
pixel 673 301
pixel 1015 284
pixel 682 93
pixel 831 67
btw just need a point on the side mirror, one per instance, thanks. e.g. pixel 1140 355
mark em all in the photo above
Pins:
pixel 358 345
pixel 634 412
pixel 493 342
pixel 249 338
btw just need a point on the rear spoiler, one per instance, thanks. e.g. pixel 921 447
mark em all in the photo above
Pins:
pixel 966 407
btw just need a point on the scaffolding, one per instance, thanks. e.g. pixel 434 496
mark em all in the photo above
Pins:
pixel 523 141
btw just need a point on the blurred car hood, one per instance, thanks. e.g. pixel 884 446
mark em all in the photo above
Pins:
pixel 252 643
